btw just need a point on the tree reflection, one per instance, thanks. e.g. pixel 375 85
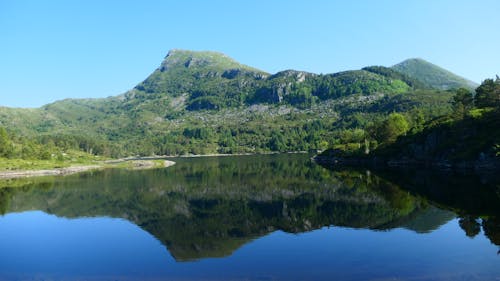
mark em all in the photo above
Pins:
pixel 470 225
pixel 475 197
pixel 210 207
pixel 491 228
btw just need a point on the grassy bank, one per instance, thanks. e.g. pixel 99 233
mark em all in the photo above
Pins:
pixel 35 164
pixel 18 168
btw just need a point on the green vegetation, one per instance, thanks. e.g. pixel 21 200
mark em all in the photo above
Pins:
pixel 17 153
pixel 20 154
pixel 24 164
pixel 459 136
pixel 390 129
pixel 205 102
pixel 396 75
pixel 432 75
pixel 488 94
pixel 468 133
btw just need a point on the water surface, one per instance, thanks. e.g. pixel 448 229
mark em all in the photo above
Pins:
pixel 277 217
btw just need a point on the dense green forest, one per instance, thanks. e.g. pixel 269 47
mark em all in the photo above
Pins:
pixel 205 102
pixel 468 133
pixel 18 152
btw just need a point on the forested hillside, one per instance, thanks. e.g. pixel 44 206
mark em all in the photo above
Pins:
pixel 205 102
pixel 466 138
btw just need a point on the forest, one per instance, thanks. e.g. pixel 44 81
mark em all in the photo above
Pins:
pixel 207 103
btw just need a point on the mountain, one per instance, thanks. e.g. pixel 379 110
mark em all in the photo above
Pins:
pixel 208 80
pixel 433 75
pixel 206 102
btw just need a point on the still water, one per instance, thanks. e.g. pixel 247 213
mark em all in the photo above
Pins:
pixel 277 217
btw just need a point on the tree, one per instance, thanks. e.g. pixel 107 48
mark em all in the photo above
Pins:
pixel 352 136
pixel 417 118
pixel 393 127
pixel 488 93
pixel 277 142
pixel 5 143
pixel 463 97
pixel 462 102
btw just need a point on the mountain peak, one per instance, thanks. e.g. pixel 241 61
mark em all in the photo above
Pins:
pixel 178 58
pixel 432 75
pixel 417 62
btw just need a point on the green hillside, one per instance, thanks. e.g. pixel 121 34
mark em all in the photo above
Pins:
pixel 433 75
pixel 206 102
pixel 468 138
pixel 208 80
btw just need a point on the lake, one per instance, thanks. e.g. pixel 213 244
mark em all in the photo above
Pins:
pixel 273 217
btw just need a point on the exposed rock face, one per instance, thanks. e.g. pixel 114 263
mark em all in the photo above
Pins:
pixel 231 73
pixel 283 83
pixel 292 76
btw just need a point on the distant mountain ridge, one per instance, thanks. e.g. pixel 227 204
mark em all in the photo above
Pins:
pixel 433 75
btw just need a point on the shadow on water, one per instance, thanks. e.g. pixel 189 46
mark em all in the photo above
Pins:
pixel 210 207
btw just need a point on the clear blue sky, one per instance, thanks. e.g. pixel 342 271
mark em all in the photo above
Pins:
pixel 51 50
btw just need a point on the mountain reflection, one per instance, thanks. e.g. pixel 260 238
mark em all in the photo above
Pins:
pixel 209 207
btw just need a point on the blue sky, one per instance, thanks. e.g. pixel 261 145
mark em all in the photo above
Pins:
pixel 51 50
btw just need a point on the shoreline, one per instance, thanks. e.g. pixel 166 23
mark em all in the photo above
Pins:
pixel 215 155
pixel 135 165
pixel 477 166
pixel 17 174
